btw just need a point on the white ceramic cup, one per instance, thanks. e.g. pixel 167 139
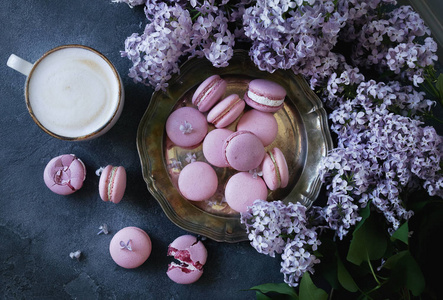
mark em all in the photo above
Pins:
pixel 72 92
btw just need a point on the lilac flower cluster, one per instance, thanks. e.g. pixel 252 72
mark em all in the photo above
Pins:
pixel 155 53
pixel 383 148
pixel 295 35
pixel 173 32
pixel 360 13
pixel 391 43
pixel 380 154
pixel 276 228
pixel 292 35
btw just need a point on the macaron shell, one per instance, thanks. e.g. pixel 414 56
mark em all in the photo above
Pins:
pixel 64 174
pixel 183 242
pixel 282 166
pixel 209 92
pixel 243 189
pixel 140 243
pixel 176 127
pixel 262 124
pixel 103 183
pixel 197 181
pixel 118 185
pixel 269 90
pixel 275 173
pixel 243 150
pixel 226 111
pixel 213 146
pixel 178 276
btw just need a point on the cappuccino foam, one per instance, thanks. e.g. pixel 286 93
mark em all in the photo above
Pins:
pixel 73 92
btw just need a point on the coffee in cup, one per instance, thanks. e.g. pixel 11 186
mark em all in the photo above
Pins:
pixel 72 92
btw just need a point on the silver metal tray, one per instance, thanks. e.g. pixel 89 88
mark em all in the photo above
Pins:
pixel 303 137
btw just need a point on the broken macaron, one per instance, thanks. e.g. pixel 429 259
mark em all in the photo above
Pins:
pixel 191 255
pixel 64 174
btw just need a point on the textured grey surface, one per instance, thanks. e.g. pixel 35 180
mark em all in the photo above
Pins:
pixel 38 229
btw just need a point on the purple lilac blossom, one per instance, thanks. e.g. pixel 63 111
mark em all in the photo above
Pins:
pixel 172 33
pixel 295 35
pixel 394 44
pixel 380 154
pixel 155 54
pixel 278 228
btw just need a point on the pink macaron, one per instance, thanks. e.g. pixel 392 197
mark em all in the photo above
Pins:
pixel 226 111
pixel 243 189
pixel 186 127
pixel 112 184
pixel 130 247
pixel 265 95
pixel 191 255
pixel 275 169
pixel 64 174
pixel 209 92
pixel 262 124
pixel 197 181
pixel 213 147
pixel 243 150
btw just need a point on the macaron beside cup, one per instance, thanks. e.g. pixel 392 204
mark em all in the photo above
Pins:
pixel 64 174
pixel 112 184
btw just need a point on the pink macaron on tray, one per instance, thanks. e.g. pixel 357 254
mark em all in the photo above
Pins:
pixel 174 163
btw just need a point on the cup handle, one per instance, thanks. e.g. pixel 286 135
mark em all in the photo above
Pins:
pixel 19 64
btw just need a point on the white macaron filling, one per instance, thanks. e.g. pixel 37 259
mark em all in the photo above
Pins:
pixel 265 100
pixel 206 92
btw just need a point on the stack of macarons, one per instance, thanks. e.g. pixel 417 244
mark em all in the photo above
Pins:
pixel 243 149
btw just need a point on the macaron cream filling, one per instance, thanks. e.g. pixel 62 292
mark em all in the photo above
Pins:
pixel 277 172
pixel 111 179
pixel 206 91
pixel 265 100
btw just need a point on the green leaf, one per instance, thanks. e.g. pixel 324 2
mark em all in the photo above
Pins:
pixel 368 242
pixel 402 233
pixel 261 296
pixel 364 214
pixel 344 277
pixel 308 290
pixel 329 273
pixel 418 206
pixel 281 288
pixel 406 272
pixel 439 85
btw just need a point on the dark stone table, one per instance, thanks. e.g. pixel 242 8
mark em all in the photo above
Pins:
pixel 39 229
